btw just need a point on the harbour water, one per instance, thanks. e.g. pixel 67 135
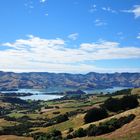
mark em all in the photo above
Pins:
pixel 41 94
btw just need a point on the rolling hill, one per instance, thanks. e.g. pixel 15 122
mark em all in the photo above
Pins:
pixel 43 80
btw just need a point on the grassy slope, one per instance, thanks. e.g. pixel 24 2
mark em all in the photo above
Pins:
pixel 6 123
pixel 129 131
pixel 136 91
pixel 11 137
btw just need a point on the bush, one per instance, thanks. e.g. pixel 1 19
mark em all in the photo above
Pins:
pixel 56 112
pixel 112 123
pixel 91 130
pixel 69 136
pixel 61 118
pixel 70 130
pixel 79 133
pixel 54 135
pixel 95 114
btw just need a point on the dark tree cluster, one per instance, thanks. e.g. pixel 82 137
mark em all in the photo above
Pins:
pixel 13 100
pixel 122 92
pixel 95 114
pixel 124 103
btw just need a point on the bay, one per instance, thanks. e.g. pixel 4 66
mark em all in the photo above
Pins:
pixel 41 94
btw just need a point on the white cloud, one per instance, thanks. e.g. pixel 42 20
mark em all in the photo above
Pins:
pixel 73 36
pixel 93 8
pixel 99 22
pixel 42 1
pixel 53 55
pixel 46 14
pixel 121 35
pixel 108 9
pixel 135 11
pixel 138 37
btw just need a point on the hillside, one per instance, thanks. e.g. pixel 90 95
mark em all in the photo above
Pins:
pixel 23 120
pixel 127 132
pixel 10 80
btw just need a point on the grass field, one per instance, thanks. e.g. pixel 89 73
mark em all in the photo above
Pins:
pixel 12 137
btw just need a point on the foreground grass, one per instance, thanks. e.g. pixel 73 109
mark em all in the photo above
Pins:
pixel 12 137
pixel 127 137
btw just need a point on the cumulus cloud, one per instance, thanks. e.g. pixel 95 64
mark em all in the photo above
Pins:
pixel 46 14
pixel 73 36
pixel 93 8
pixel 42 1
pixel 135 11
pixel 38 54
pixel 99 22
pixel 138 37
pixel 108 9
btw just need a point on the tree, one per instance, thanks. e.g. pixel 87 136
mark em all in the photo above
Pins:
pixel 95 114
pixel 112 104
pixel 79 133
pixel 91 130
pixel 129 102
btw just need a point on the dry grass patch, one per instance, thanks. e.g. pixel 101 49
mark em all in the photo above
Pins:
pixel 6 123
pixel 136 91
pixel 12 137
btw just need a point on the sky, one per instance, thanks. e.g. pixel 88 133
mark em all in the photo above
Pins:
pixel 70 36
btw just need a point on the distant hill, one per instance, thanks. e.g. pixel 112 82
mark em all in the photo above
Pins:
pixel 42 80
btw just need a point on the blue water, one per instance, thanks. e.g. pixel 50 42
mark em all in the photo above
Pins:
pixel 39 93
pixel 41 97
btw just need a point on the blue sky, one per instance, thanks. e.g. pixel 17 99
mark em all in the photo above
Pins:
pixel 76 36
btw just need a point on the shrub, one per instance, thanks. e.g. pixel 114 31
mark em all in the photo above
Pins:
pixel 54 135
pixel 79 133
pixel 95 114
pixel 70 130
pixel 56 112
pixel 61 118
pixel 69 136
pixel 91 130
